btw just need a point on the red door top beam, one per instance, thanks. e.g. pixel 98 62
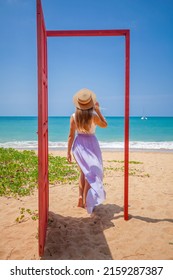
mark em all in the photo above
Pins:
pixel 65 33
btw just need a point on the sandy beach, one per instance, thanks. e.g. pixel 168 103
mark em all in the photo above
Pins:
pixel 73 234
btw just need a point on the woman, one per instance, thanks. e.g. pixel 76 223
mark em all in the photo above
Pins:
pixel 86 150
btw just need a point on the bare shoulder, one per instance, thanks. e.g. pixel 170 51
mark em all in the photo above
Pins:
pixel 72 122
pixel 72 118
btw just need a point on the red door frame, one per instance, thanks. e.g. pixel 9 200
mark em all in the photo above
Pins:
pixel 43 184
pixel 43 113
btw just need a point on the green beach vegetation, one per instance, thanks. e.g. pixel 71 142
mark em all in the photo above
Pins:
pixel 116 166
pixel 19 171
pixel 26 214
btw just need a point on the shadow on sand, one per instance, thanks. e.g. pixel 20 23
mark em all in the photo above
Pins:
pixel 72 238
pixel 145 219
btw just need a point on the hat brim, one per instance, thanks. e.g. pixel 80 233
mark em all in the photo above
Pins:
pixel 84 106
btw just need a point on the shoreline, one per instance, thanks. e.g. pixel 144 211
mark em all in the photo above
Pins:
pixel 121 150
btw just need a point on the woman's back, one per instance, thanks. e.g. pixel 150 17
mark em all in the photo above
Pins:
pixel 92 126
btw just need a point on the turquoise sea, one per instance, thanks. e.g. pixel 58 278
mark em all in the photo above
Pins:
pixel 151 133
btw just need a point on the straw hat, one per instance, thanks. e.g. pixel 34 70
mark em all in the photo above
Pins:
pixel 84 99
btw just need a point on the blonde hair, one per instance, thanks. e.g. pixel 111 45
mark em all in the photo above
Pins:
pixel 84 119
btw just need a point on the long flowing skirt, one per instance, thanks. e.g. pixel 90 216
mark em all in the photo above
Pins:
pixel 87 153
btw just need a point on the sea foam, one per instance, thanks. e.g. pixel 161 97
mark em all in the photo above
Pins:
pixel 135 145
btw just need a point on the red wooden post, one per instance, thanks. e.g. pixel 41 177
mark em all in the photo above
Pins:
pixel 126 128
pixel 43 186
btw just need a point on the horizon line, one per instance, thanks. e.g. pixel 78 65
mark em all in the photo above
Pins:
pixel 113 116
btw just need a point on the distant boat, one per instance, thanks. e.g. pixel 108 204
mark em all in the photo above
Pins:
pixel 143 115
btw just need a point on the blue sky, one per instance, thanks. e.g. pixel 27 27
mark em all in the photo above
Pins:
pixel 93 62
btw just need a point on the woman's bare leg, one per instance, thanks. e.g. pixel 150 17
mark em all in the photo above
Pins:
pixel 81 189
pixel 86 189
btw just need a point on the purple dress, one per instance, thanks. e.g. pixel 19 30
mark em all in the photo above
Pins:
pixel 87 153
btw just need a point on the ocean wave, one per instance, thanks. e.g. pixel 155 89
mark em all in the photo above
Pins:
pixel 20 144
pixel 167 145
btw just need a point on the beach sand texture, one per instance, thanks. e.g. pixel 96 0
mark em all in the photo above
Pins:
pixel 73 234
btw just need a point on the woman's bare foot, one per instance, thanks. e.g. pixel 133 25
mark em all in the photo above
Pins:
pixel 80 202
